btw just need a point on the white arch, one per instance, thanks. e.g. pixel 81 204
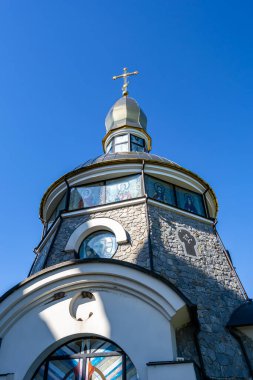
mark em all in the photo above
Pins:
pixel 123 298
pixel 94 225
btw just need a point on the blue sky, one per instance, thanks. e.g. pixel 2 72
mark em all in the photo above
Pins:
pixel 57 58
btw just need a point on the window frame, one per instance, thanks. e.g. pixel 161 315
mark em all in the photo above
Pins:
pixel 168 183
pixel 176 198
pixel 143 193
pixel 103 183
pixel 96 233
pixel 84 356
pixel 111 144
pixel 142 146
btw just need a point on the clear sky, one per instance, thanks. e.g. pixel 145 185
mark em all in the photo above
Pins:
pixel 57 58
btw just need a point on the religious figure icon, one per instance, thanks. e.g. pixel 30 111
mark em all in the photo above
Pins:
pixel 86 199
pixel 159 194
pixel 123 192
pixel 188 241
pixel 101 244
pixel 189 203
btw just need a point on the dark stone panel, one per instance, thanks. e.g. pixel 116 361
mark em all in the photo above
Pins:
pixel 208 281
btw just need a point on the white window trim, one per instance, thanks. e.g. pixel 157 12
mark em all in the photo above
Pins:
pixel 94 225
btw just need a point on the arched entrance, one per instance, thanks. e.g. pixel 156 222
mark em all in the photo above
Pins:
pixel 87 359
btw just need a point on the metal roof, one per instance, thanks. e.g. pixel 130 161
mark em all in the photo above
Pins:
pixel 127 155
pixel 126 111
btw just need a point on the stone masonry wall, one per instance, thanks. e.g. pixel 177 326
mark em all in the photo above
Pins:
pixel 185 344
pixel 132 218
pixel 208 281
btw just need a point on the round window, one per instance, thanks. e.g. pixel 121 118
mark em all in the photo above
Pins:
pixel 100 244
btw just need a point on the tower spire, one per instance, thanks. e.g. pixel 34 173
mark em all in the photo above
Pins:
pixel 125 75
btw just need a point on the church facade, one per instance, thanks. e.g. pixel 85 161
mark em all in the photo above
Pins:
pixel 131 279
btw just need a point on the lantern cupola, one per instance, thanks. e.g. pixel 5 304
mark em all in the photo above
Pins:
pixel 126 124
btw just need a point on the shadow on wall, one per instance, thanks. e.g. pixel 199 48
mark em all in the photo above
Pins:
pixel 208 281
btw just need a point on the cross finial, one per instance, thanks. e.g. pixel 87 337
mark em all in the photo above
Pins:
pixel 126 83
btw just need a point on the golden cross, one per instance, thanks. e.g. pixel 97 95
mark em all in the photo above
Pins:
pixel 126 83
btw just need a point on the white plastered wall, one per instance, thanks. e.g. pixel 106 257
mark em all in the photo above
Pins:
pixel 129 307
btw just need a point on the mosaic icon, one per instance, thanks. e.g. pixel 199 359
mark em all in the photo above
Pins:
pixel 188 240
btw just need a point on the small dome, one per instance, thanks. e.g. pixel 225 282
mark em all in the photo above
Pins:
pixel 125 112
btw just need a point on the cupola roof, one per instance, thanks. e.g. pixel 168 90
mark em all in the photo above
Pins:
pixel 125 112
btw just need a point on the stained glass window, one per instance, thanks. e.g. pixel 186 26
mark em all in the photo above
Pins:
pixel 159 190
pixel 189 201
pixel 100 244
pixel 137 144
pixel 130 187
pixel 86 196
pixel 87 359
pixel 123 189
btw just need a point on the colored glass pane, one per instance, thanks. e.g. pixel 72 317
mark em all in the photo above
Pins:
pixel 100 244
pixel 137 144
pixel 67 369
pixel 98 346
pixel 189 201
pixel 87 359
pixel 137 140
pixel 104 368
pixel 71 348
pixel 123 189
pixel 159 190
pixel 86 196
pixel 137 148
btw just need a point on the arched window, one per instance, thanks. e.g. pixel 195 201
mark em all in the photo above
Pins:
pixel 87 359
pixel 110 233
pixel 99 244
